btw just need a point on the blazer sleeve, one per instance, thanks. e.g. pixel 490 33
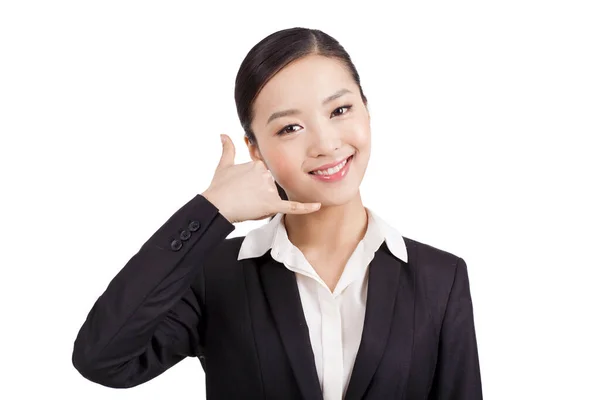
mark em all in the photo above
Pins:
pixel 457 375
pixel 150 315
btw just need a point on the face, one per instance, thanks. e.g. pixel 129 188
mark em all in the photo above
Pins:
pixel 322 130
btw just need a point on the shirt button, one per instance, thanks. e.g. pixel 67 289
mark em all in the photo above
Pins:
pixel 176 245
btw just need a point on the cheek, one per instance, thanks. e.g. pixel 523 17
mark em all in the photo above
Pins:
pixel 361 138
pixel 281 168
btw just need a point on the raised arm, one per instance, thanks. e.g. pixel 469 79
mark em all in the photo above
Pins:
pixel 150 316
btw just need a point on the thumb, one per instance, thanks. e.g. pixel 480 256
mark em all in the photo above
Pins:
pixel 228 156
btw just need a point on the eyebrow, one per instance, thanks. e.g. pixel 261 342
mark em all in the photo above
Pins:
pixel 285 113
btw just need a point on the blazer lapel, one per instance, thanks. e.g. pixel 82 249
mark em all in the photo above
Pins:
pixel 283 297
pixel 388 280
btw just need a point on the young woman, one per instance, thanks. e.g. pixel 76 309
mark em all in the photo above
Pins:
pixel 326 300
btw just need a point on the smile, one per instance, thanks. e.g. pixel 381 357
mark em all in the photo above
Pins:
pixel 334 173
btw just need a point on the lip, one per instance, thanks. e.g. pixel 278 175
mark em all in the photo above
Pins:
pixel 338 176
pixel 330 165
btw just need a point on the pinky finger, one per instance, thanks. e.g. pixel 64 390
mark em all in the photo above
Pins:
pixel 294 207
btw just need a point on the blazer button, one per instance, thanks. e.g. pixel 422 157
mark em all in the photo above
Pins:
pixel 194 226
pixel 185 235
pixel 176 245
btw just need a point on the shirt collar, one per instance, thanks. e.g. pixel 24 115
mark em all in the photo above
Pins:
pixel 258 241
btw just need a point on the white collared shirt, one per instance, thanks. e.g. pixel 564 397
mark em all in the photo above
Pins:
pixel 335 319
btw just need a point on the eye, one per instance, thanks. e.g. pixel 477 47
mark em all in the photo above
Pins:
pixel 286 130
pixel 348 106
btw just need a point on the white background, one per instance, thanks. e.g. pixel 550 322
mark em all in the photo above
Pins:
pixel 485 124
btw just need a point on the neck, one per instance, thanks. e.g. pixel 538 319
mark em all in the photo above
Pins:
pixel 329 228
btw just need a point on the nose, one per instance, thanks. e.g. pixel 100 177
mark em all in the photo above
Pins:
pixel 324 140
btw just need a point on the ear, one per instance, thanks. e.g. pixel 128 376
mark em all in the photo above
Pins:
pixel 253 150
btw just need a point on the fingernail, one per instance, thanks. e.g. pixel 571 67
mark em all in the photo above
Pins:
pixel 222 139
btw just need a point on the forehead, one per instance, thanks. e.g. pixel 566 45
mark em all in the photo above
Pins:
pixel 303 83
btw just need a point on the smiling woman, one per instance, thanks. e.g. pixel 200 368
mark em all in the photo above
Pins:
pixel 293 89
pixel 326 300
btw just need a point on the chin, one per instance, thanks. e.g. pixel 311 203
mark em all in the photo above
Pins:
pixel 337 199
pixel 330 197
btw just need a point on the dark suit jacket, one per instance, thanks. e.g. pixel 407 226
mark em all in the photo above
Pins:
pixel 184 293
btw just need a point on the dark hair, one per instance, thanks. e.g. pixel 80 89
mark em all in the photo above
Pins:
pixel 272 54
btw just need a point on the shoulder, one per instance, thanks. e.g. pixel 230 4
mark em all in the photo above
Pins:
pixel 422 257
pixel 432 265
pixel 219 268
pixel 427 255
pixel 225 253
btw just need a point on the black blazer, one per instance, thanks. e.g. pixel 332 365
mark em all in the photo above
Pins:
pixel 184 293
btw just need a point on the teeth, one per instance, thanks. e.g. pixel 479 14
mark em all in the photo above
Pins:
pixel 332 170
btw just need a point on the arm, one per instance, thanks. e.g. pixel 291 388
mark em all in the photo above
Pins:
pixel 150 316
pixel 457 375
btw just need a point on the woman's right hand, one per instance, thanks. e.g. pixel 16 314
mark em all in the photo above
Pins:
pixel 247 191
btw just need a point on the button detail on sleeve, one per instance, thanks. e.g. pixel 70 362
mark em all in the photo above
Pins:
pixel 194 226
pixel 176 244
pixel 185 235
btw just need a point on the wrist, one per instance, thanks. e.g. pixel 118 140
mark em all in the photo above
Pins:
pixel 214 199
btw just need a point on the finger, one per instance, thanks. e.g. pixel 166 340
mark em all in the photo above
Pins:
pixel 261 165
pixel 270 175
pixel 228 156
pixel 294 207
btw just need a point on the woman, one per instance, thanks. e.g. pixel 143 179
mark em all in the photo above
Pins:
pixel 326 300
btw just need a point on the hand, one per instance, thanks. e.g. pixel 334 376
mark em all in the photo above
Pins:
pixel 247 191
